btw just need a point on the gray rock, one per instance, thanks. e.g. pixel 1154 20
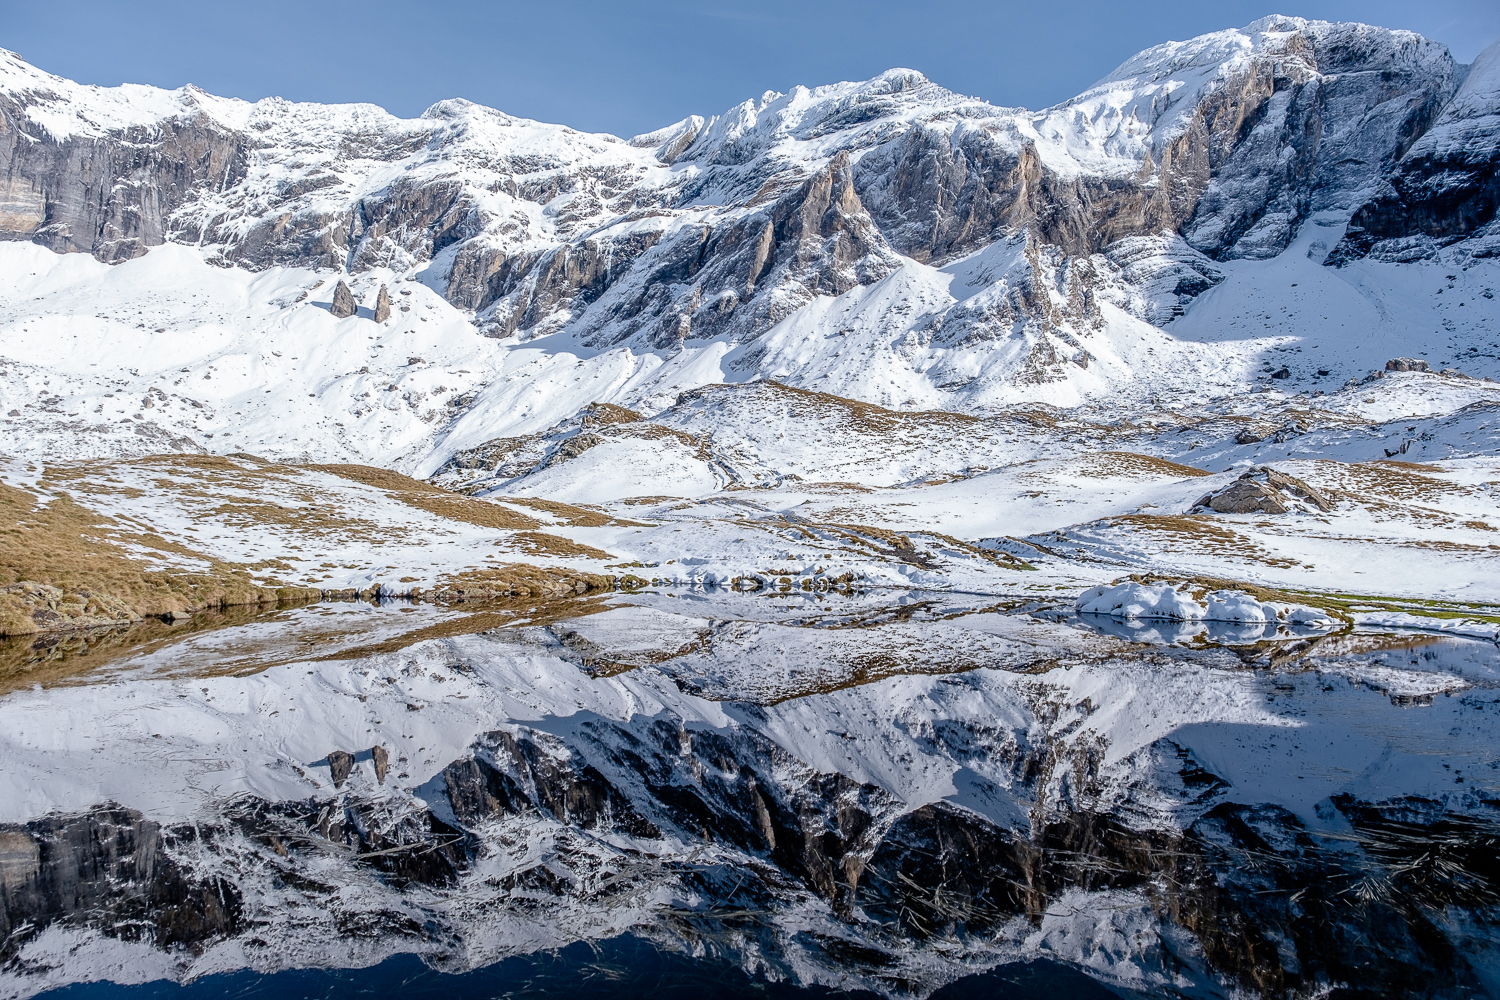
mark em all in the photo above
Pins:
pixel 340 764
pixel 113 197
pixel 1168 272
pixel 1305 125
pixel 109 869
pixel 382 758
pixel 574 446
pixel 1261 490
pixel 343 302
pixel 1295 486
pixel 1246 497
pixel 1447 186
pixel 1407 365
pixel 382 305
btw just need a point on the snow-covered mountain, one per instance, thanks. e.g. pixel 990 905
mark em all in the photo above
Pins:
pixel 888 241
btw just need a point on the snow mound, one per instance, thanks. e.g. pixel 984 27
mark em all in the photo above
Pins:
pixel 1182 602
pixel 1474 628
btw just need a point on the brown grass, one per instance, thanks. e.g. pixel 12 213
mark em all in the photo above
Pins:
pixel 517 580
pixel 81 573
pixel 1204 534
pixel 577 517
pixel 1124 464
pixel 432 499
pixel 537 543
pixel 866 417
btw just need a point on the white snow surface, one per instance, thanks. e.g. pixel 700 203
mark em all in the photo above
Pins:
pixel 1470 123
pixel 1178 602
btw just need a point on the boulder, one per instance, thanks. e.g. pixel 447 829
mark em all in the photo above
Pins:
pixel 343 302
pixel 1263 490
pixel 382 305
pixel 1284 434
pixel 379 754
pixel 1294 486
pixel 340 764
pixel 574 446
pixel 1407 365
pixel 1245 497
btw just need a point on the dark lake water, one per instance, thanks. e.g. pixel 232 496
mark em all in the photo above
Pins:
pixel 625 968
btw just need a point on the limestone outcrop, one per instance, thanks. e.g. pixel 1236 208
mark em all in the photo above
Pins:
pixel 1446 187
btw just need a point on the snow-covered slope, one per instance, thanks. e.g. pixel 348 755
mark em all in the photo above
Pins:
pixel 886 241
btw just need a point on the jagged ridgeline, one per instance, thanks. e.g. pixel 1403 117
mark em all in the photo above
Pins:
pixel 1213 149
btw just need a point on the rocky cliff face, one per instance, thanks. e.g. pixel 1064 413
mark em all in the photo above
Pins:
pixel 112 196
pixel 1446 187
pixel 1230 139
pixel 110 869
pixel 722 227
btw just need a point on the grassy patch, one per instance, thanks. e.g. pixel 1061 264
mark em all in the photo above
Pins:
pixel 1128 465
pixel 539 543
pixel 64 566
pixel 573 516
pixel 517 580
pixel 433 500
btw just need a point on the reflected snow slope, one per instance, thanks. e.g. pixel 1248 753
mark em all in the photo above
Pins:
pixel 850 792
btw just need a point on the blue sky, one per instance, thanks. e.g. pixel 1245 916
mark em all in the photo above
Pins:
pixel 628 67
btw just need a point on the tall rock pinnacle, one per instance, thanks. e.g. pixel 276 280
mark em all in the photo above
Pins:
pixel 343 302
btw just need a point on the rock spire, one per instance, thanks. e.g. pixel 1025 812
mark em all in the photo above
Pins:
pixel 343 302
